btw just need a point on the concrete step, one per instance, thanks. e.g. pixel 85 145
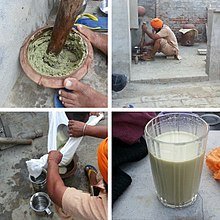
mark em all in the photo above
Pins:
pixel 170 95
pixel 166 78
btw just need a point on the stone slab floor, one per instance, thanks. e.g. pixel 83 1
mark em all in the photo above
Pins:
pixel 139 201
pixel 15 188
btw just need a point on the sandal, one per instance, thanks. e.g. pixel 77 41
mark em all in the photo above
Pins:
pixel 94 191
pixel 56 101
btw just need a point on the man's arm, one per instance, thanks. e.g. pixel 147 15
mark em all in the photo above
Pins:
pixel 100 131
pixel 149 43
pixel 55 185
pixel 78 129
pixel 150 34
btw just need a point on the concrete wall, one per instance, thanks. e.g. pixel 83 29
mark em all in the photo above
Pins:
pixel 178 12
pixel 133 5
pixel 18 20
pixel 213 45
pixel 121 40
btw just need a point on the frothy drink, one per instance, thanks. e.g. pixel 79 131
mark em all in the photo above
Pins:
pixel 177 168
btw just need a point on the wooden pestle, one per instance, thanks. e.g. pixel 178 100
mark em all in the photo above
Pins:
pixel 11 142
pixel 65 19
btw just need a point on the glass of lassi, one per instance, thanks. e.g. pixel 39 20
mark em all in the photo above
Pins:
pixel 176 144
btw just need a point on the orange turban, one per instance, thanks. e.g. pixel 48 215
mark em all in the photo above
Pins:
pixel 103 159
pixel 156 23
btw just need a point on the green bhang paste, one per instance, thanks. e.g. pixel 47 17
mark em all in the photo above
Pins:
pixel 71 57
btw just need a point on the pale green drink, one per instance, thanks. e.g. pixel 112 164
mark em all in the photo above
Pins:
pixel 176 144
pixel 178 170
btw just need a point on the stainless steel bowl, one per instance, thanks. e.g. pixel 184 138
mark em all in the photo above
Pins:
pixel 104 6
pixel 211 119
pixel 136 50
pixel 40 203
pixel 83 8
pixel 39 183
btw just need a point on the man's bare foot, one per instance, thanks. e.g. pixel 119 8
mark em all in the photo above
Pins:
pixel 81 95
pixel 92 177
pixel 91 174
pixel 98 40
pixel 146 57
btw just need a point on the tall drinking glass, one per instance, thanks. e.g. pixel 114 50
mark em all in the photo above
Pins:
pixel 176 144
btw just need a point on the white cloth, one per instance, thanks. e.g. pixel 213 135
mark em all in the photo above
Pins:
pixel 35 166
pixel 184 31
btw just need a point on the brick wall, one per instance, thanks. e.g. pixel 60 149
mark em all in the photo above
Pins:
pixel 149 6
pixel 176 13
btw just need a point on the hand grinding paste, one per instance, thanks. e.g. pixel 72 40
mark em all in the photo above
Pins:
pixel 71 57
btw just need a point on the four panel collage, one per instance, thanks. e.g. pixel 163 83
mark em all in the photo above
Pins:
pixel 110 109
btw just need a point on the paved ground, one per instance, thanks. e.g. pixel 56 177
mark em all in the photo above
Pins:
pixel 173 95
pixel 26 93
pixel 162 70
pixel 15 188
pixel 139 200
pixel 171 83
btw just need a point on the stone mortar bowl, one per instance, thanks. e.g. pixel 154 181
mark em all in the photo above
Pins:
pixel 50 81
pixel 71 168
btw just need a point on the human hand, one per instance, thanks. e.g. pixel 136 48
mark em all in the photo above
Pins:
pixel 144 27
pixel 55 156
pixel 94 113
pixel 76 128
pixel 97 114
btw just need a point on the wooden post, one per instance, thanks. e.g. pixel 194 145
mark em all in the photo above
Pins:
pixel 66 16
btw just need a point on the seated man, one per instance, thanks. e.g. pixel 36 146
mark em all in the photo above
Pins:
pixel 73 203
pixel 164 40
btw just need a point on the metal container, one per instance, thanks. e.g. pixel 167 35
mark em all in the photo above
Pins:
pixel 211 119
pixel 136 50
pixel 40 203
pixel 39 183
pixel 83 8
pixel 104 6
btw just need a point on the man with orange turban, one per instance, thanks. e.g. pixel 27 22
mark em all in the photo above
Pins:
pixel 163 40
pixel 73 203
